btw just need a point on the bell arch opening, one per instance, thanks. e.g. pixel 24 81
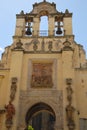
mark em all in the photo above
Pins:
pixel 41 117
pixel 43 26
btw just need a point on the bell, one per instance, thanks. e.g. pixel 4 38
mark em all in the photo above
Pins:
pixel 59 31
pixel 28 31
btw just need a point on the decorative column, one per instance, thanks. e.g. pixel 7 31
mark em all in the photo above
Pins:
pixel 69 108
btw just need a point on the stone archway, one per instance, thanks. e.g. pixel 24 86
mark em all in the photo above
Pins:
pixel 41 116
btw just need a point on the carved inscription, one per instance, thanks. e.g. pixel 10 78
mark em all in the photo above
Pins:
pixel 42 75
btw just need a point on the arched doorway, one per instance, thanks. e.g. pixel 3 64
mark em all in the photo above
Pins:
pixel 41 116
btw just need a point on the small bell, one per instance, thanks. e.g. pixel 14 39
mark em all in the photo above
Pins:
pixel 59 31
pixel 28 31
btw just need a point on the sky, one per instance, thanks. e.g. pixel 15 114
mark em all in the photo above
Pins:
pixel 9 9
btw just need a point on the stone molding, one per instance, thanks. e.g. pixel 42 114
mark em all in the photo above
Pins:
pixel 53 98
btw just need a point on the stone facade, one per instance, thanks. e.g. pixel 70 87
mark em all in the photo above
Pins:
pixel 43 72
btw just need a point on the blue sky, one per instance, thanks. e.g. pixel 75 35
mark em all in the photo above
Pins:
pixel 9 9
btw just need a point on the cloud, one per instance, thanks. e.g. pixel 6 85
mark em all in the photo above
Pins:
pixel 1 49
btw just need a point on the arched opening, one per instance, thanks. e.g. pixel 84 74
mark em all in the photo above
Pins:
pixel 41 116
pixel 43 26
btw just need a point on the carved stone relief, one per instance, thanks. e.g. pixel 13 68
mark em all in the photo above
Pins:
pixel 53 98
pixel 47 45
pixel 69 108
pixel 13 88
pixel 19 45
pixel 50 8
pixel 42 75
pixel 10 109
pixel 67 46
pixel 38 45
pixel 58 44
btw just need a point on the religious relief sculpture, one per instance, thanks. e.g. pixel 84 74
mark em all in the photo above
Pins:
pixel 35 47
pixel 70 116
pixel 10 109
pixel 19 45
pixel 70 109
pixel 10 112
pixel 69 95
pixel 42 75
pixel 13 88
pixel 67 45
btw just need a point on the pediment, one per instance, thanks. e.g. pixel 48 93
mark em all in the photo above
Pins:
pixel 44 8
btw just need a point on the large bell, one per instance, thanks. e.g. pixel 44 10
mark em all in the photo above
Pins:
pixel 28 31
pixel 59 31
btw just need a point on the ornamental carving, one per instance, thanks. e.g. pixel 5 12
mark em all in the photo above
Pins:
pixel 44 6
pixel 19 45
pixel 69 108
pixel 54 98
pixel 42 75
pixel 10 112
pixel 13 88
pixel 47 46
pixel 70 116
pixel 10 109
pixel 67 46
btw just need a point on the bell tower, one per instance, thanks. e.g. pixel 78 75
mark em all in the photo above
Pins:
pixel 59 24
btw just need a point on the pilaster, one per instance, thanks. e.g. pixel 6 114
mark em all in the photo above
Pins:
pixel 36 26
pixel 51 25
pixel 15 77
pixel 67 24
pixel 68 73
pixel 20 26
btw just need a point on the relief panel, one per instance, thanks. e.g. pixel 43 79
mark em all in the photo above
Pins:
pixel 42 75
